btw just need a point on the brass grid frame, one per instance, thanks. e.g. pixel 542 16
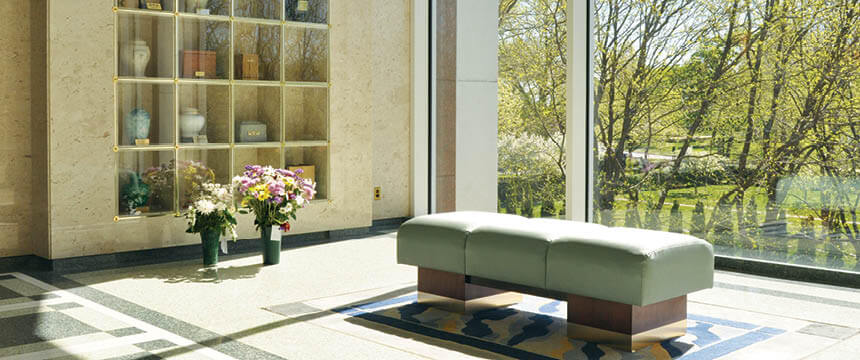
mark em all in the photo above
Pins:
pixel 281 145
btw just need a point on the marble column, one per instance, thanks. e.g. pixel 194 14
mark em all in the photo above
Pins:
pixel 466 105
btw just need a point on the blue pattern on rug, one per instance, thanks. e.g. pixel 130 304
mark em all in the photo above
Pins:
pixel 408 311
pixel 675 349
pixel 704 336
pixel 537 329
pixel 592 351
pixel 476 326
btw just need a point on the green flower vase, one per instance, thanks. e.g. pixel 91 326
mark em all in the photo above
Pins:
pixel 271 248
pixel 211 243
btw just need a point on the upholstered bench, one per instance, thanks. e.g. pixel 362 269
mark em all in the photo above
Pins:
pixel 624 287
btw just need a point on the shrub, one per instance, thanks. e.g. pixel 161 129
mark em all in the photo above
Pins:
pixel 529 176
pixel 709 170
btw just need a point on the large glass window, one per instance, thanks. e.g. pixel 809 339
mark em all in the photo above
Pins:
pixel 734 121
pixel 532 101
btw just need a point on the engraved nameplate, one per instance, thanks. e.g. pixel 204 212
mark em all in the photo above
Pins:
pixel 200 73
pixel 153 5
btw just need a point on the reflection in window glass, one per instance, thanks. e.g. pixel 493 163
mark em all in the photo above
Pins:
pixel 260 9
pixel 306 54
pixel 146 180
pixel 314 11
pixel 734 121
pixel 257 51
pixel 204 49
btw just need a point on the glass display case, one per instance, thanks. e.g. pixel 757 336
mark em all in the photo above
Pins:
pixel 313 162
pixel 144 42
pixel 145 113
pixel 306 114
pixel 307 59
pixel 204 87
pixel 258 114
pixel 310 11
pixel 146 181
pixel 198 166
pixel 204 109
pixel 258 9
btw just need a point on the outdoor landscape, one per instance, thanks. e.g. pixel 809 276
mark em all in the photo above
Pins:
pixel 737 121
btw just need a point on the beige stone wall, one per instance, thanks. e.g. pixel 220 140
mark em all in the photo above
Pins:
pixel 369 134
pixel 15 129
pixel 83 193
pixel 81 132
pixel 391 46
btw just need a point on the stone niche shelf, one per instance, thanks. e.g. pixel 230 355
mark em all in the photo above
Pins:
pixel 201 92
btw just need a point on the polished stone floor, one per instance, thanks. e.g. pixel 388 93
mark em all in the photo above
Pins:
pixel 242 310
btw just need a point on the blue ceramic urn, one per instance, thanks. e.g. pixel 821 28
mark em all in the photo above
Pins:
pixel 136 125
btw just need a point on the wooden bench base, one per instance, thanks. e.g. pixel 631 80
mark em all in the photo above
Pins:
pixel 622 326
pixel 450 291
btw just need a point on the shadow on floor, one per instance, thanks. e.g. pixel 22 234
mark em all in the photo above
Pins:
pixel 236 336
pixel 27 326
pixel 197 274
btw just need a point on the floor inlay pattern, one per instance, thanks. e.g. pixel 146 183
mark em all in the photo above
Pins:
pixel 40 321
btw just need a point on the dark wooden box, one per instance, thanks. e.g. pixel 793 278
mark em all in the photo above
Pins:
pixel 247 66
pixel 198 64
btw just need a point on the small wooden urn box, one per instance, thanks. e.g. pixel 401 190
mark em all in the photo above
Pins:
pixel 247 66
pixel 308 171
pixel 198 64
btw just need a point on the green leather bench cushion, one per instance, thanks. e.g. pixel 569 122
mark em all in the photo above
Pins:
pixel 438 241
pixel 515 253
pixel 631 266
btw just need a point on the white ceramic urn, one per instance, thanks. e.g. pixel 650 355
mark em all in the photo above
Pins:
pixel 135 56
pixel 190 122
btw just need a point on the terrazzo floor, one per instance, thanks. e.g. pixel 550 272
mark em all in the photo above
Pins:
pixel 242 310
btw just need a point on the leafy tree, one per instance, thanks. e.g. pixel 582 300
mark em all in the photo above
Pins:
pixel 532 105
pixel 743 102
pixel 532 72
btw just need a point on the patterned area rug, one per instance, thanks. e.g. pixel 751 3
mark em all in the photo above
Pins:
pixel 536 329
